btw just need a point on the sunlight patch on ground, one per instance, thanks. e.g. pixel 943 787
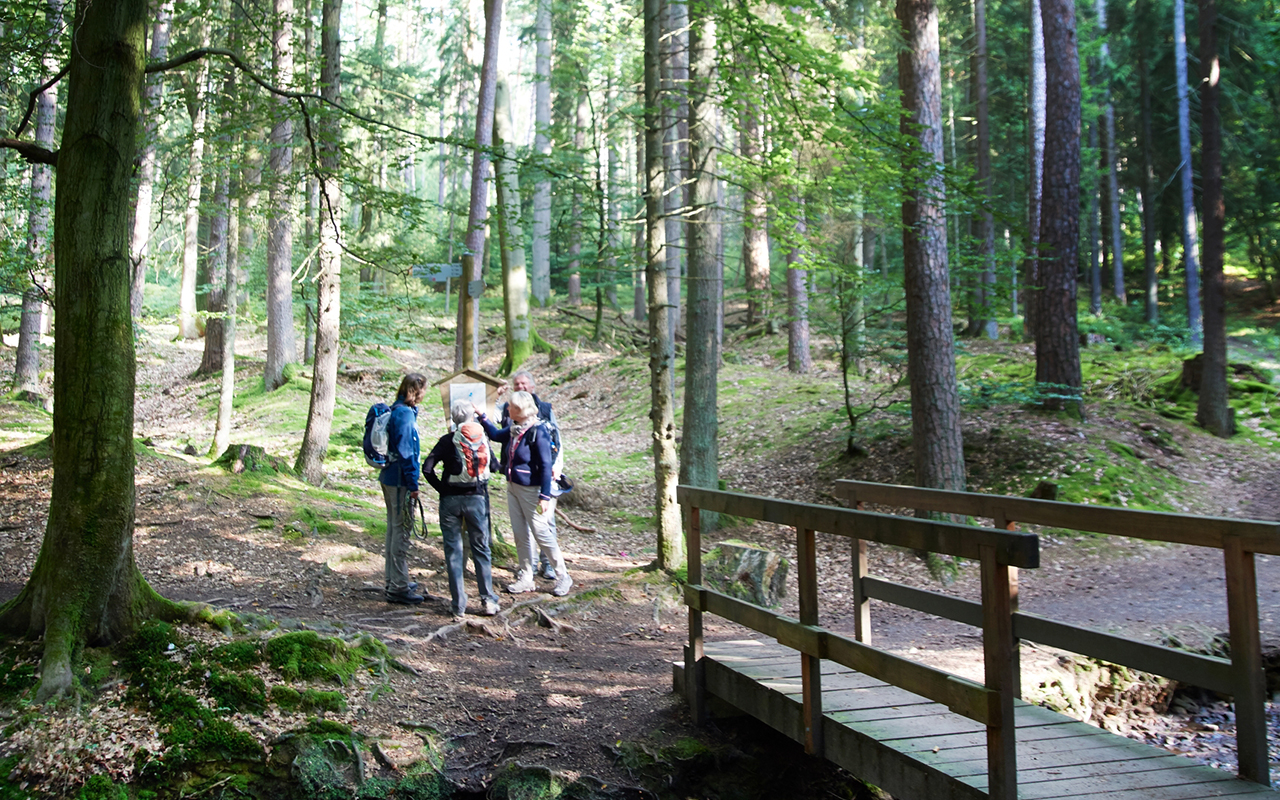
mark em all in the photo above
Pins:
pixel 342 558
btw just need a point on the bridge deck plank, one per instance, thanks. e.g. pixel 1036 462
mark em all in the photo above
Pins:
pixel 908 744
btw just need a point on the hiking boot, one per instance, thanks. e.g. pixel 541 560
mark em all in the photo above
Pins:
pixel 523 584
pixel 563 584
pixel 405 598
pixel 546 571
pixel 488 608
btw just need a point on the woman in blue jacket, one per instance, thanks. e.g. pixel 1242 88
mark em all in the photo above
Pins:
pixel 527 466
pixel 399 479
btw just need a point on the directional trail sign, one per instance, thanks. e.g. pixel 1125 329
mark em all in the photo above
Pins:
pixel 437 272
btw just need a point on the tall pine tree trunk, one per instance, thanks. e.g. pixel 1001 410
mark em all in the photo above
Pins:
pixel 140 241
pixel 1110 155
pixel 1057 342
pixel 1190 248
pixel 85 587
pixel 935 403
pixel 1212 411
pixel 1035 158
pixel 986 221
pixel 671 552
pixel 324 383
pixel 1152 288
pixel 467 349
pixel 1095 228
pixel 699 446
pixel 515 281
pixel 541 278
pixel 282 347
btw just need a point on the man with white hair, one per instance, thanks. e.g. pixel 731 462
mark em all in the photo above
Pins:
pixel 466 460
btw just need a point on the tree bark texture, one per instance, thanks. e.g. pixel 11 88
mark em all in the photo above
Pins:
pixel 227 384
pixel 282 347
pixel 1035 147
pixel 1213 412
pixel 140 241
pixel 755 221
pixel 515 279
pixel 699 446
pixel 1095 231
pixel 1110 156
pixel 1057 342
pixel 986 233
pixel 671 552
pixel 1190 248
pixel 1150 282
pixel 26 373
pixel 581 127
pixel 85 587
pixel 324 381
pixel 675 110
pixel 799 358
pixel 935 403
pixel 219 243
pixel 197 108
pixel 467 350
pixel 541 278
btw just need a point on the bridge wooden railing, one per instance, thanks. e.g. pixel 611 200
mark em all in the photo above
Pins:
pixel 999 551
pixel 1241 676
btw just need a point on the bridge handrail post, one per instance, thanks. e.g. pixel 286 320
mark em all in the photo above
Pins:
pixel 1246 661
pixel 861 603
pixel 999 657
pixel 810 664
pixel 695 684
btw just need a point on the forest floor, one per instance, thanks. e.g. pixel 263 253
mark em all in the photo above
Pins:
pixel 579 683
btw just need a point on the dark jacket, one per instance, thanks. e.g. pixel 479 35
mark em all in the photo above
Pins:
pixel 403 449
pixel 527 458
pixel 445 453
pixel 544 413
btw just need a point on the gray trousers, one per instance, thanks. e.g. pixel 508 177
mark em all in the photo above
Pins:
pixel 529 527
pixel 400 524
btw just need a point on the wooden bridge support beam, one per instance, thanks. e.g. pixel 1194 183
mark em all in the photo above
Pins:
pixel 1246 661
pixel 810 665
pixel 999 655
pixel 695 680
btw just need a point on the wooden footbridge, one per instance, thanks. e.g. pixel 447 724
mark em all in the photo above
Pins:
pixel 921 733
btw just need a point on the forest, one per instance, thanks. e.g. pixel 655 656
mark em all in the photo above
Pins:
pixel 943 206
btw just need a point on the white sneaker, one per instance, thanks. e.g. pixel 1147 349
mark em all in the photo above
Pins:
pixel 488 608
pixel 522 585
pixel 563 584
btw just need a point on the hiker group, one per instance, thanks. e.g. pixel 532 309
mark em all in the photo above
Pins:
pixel 530 460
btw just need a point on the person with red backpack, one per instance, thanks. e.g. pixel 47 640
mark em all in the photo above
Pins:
pixel 465 461
pixel 527 464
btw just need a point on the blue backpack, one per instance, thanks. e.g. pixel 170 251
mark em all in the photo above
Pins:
pixel 376 436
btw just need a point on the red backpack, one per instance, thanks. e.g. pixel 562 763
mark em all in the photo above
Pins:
pixel 473 451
